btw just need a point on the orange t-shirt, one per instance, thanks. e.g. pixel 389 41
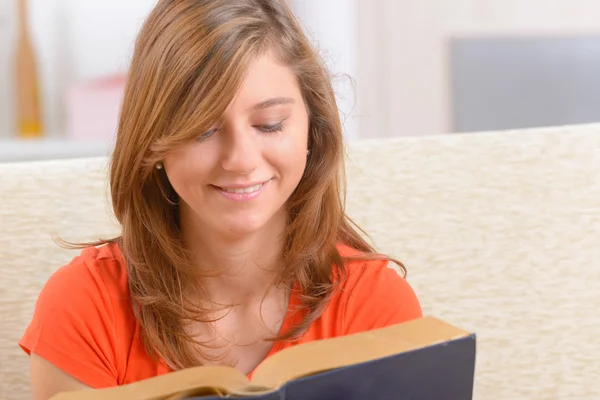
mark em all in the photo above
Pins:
pixel 84 323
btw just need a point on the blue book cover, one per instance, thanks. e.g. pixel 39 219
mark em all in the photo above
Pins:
pixel 423 359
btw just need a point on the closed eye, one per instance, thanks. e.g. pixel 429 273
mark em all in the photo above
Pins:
pixel 263 128
pixel 270 128
pixel 208 134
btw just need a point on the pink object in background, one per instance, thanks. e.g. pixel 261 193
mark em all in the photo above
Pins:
pixel 92 108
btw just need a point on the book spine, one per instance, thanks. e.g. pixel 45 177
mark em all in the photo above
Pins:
pixel 28 113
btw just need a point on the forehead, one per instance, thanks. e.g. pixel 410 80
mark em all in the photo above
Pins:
pixel 266 79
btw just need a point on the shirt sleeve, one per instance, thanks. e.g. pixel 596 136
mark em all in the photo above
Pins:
pixel 377 296
pixel 73 326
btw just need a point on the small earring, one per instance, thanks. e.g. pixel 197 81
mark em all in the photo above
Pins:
pixel 159 166
pixel 308 152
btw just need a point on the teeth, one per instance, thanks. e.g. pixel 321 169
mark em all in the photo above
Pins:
pixel 244 190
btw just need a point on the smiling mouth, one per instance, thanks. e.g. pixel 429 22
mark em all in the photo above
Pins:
pixel 249 189
pixel 242 189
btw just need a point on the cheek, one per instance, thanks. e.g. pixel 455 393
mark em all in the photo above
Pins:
pixel 289 154
pixel 290 148
pixel 185 168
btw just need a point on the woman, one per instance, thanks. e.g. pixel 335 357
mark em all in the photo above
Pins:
pixel 227 181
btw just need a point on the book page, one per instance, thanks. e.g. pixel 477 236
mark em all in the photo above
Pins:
pixel 206 380
pixel 324 355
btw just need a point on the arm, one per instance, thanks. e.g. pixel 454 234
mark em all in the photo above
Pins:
pixel 48 380
pixel 71 337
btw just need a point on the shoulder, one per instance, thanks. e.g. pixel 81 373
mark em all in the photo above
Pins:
pixel 374 294
pixel 95 271
pixel 374 278
pixel 81 317
pixel 360 270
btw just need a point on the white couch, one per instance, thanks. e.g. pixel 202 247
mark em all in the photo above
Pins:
pixel 500 232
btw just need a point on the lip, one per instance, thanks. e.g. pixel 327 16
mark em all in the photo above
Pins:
pixel 241 185
pixel 242 197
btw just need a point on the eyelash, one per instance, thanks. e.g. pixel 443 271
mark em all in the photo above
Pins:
pixel 271 128
pixel 263 128
pixel 207 135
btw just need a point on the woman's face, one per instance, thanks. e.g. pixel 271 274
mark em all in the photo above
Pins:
pixel 236 179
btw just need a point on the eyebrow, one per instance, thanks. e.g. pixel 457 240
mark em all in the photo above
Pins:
pixel 276 101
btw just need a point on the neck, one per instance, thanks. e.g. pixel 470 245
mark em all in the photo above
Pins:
pixel 246 266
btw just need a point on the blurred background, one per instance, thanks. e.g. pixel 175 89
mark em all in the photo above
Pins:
pixel 402 67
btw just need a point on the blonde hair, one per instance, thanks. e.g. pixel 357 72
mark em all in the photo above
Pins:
pixel 189 60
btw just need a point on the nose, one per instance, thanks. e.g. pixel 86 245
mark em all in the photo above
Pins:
pixel 241 152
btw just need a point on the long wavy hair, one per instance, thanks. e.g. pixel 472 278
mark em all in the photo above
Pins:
pixel 189 60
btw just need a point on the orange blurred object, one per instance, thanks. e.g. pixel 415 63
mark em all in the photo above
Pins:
pixel 28 110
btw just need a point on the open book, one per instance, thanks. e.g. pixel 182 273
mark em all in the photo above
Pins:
pixel 420 359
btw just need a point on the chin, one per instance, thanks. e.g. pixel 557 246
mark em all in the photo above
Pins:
pixel 243 226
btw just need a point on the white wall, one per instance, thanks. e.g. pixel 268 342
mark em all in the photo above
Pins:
pixel 403 83
pixel 82 39
pixel 331 26
pixel 6 30
pixel 75 40
pixel 394 49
